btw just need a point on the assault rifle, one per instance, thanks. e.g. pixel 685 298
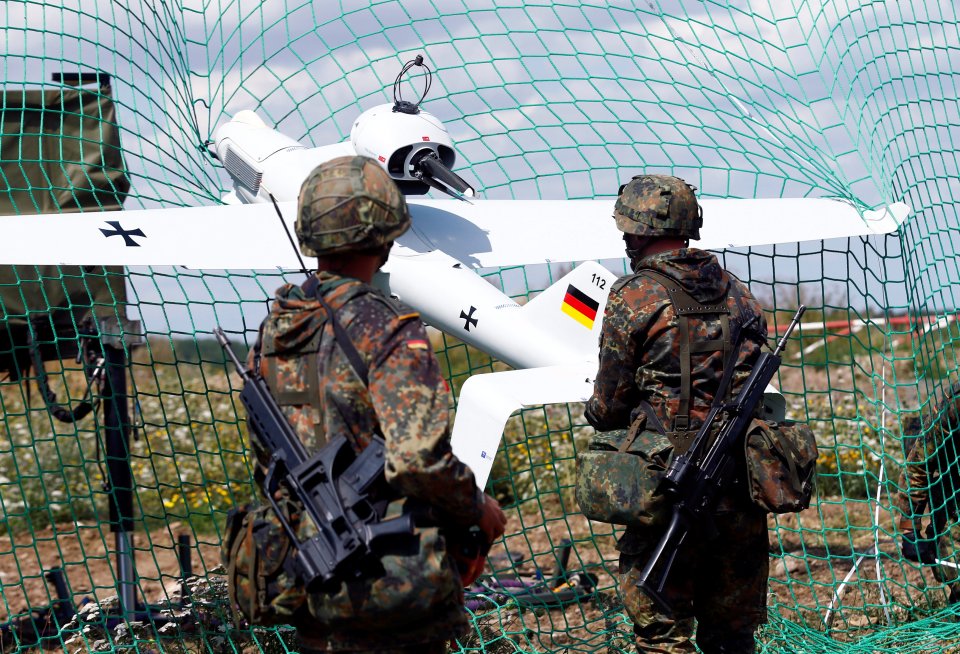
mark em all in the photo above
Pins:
pixel 334 485
pixel 696 479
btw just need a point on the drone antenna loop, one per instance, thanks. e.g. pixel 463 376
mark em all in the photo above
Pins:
pixel 405 106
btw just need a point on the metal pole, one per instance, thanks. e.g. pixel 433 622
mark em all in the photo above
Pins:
pixel 116 419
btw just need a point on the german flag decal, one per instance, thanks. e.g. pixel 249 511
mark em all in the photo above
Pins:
pixel 580 306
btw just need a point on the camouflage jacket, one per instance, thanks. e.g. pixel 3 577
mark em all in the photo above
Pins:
pixel 640 345
pixel 929 482
pixel 405 401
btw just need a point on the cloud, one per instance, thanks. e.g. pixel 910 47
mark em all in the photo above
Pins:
pixel 747 98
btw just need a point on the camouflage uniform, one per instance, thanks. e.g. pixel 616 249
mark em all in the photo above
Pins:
pixel 721 583
pixel 930 482
pixel 406 401
pixel 350 205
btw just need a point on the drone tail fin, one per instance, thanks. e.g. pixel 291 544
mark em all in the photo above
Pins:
pixel 572 308
pixel 487 401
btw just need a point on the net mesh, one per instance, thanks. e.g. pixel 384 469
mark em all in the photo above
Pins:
pixel 808 98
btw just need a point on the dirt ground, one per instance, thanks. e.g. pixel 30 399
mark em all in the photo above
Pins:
pixel 811 553
pixel 85 552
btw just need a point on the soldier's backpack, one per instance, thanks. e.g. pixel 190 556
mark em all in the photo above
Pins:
pixel 410 579
pixel 618 477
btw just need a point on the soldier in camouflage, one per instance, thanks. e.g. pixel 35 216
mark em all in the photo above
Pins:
pixel 350 212
pixel 647 374
pixel 930 485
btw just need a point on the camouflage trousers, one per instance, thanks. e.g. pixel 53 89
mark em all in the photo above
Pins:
pixel 718 585
pixel 947 550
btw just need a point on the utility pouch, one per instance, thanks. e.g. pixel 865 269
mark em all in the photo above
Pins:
pixel 254 552
pixel 781 465
pixel 411 579
pixel 619 475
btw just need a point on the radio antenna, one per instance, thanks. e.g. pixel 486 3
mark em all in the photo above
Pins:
pixel 286 230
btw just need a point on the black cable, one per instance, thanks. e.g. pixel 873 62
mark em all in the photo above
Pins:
pixel 404 106
pixel 286 230
pixel 62 414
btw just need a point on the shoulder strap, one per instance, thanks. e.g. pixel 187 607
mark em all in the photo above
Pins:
pixel 623 281
pixel 346 345
pixel 683 303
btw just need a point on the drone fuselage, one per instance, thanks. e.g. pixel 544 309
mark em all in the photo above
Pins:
pixel 450 296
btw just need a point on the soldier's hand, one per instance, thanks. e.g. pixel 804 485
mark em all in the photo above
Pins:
pixel 492 520
pixel 923 550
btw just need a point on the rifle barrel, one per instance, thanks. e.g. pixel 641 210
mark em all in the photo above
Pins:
pixel 793 324
pixel 225 344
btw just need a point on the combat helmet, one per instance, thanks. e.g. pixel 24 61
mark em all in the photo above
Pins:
pixel 349 204
pixel 658 205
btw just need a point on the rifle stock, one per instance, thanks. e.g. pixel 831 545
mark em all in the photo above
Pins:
pixel 696 479
pixel 653 578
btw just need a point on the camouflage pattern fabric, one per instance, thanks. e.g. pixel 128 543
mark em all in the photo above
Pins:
pixel 253 552
pixel 927 501
pixel 640 362
pixel 722 583
pixel 406 402
pixel 410 592
pixel 640 344
pixel 348 204
pixel 619 474
pixel 658 205
pixel 781 465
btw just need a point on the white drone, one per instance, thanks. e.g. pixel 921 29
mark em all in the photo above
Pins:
pixel 551 341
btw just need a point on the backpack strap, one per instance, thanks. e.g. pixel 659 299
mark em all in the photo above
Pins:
pixel 309 393
pixel 686 306
pixel 312 287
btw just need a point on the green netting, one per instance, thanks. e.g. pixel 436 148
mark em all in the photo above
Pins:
pixel 798 98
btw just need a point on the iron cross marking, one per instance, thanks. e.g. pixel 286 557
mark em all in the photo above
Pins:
pixel 125 233
pixel 468 318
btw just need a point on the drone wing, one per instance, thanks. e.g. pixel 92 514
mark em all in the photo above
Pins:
pixel 482 234
pixel 447 238
pixel 487 401
pixel 245 236
pixel 498 233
